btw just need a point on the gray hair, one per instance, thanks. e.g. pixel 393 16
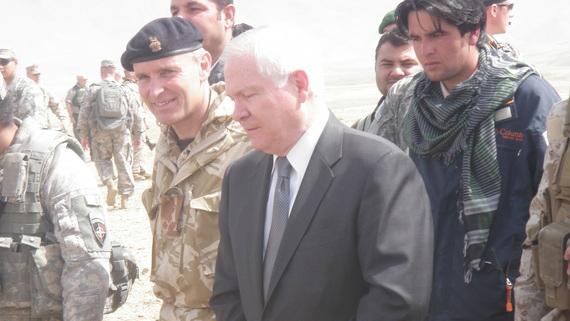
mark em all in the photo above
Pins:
pixel 277 52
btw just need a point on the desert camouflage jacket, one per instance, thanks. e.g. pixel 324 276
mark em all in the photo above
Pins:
pixel 183 201
pixel 530 301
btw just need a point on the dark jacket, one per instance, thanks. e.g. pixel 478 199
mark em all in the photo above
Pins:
pixel 355 248
pixel 520 148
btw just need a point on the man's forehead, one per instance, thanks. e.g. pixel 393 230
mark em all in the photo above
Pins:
pixel 388 48
pixel 176 61
pixel 426 22
pixel 177 4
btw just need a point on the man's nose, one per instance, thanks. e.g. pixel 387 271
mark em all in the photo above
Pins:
pixel 240 111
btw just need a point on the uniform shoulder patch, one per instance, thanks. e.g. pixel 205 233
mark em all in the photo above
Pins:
pixel 99 230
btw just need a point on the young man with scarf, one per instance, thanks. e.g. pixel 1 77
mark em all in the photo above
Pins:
pixel 475 130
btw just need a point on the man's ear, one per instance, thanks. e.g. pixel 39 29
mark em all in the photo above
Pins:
pixel 228 16
pixel 474 37
pixel 300 80
pixel 493 10
pixel 205 65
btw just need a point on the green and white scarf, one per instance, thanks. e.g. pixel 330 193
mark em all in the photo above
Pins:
pixel 463 123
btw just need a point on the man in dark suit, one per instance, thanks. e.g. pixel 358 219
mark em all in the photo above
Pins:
pixel 321 222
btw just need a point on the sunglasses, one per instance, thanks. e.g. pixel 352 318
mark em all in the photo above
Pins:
pixel 510 6
pixel 4 62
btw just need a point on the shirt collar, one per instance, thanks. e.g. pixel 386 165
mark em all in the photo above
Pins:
pixel 300 155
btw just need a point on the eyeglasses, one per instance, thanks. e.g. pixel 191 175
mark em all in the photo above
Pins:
pixel 4 62
pixel 510 6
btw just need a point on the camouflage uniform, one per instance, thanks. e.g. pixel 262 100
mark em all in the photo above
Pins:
pixel 72 263
pixel 182 204
pixel 114 144
pixel 75 97
pixel 217 72
pixel 502 47
pixel 51 103
pixel 138 163
pixel 26 96
pixel 364 124
pixel 529 298
pixel 389 120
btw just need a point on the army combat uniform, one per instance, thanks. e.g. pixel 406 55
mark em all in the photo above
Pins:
pixel 182 204
pixel 51 103
pixel 26 96
pixel 54 247
pixel 111 144
pixel 530 296
pixel 138 166
pixel 75 97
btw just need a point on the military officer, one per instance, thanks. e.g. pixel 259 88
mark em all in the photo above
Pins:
pixel 54 246
pixel 199 140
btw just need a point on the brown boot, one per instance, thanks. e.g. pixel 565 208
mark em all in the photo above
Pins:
pixel 124 201
pixel 142 175
pixel 111 193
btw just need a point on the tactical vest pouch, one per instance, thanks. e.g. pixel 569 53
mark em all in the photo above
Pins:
pixel 46 281
pixel 15 167
pixel 552 244
pixel 14 276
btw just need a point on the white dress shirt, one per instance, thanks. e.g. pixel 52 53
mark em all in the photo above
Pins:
pixel 299 157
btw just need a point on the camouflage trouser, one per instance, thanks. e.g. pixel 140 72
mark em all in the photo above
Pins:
pixel 75 130
pixel 169 312
pixel 114 145
pixel 529 298
pixel 138 151
pixel 23 315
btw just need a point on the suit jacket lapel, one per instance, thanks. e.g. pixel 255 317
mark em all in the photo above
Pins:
pixel 253 228
pixel 315 184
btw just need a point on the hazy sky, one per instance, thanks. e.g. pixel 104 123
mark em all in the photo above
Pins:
pixel 70 36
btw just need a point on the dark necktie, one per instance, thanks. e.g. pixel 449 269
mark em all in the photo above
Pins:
pixel 278 222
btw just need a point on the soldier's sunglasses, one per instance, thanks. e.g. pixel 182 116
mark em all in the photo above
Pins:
pixel 510 6
pixel 4 62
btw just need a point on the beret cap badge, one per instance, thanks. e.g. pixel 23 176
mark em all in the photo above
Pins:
pixel 154 44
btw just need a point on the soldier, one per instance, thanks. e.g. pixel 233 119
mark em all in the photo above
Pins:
pixel 197 143
pixel 33 72
pixel 139 171
pixel 54 246
pixel 215 20
pixel 498 18
pixel 541 267
pixel 388 23
pixel 107 115
pixel 75 97
pixel 395 59
pixel 26 96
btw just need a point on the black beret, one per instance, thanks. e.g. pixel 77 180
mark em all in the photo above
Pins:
pixel 491 2
pixel 161 38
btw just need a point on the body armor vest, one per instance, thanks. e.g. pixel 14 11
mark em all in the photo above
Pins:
pixel 548 257
pixel 30 258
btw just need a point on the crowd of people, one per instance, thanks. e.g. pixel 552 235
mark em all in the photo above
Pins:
pixel 449 201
